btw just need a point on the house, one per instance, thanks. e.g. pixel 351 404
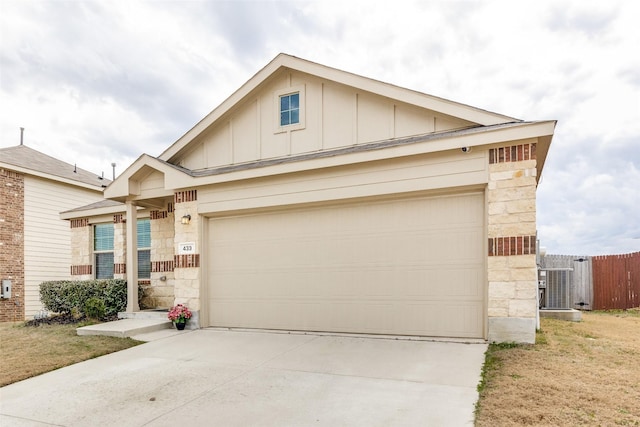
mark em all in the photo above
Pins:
pixel 314 199
pixel 35 244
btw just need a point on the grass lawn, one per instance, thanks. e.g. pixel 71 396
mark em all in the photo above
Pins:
pixel 28 351
pixel 585 373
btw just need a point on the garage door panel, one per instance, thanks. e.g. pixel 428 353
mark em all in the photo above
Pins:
pixel 444 319
pixel 449 283
pixel 409 266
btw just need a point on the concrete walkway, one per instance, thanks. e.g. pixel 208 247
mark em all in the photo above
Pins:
pixel 125 328
pixel 228 378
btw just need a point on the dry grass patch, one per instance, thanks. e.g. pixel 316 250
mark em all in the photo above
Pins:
pixel 28 351
pixel 585 373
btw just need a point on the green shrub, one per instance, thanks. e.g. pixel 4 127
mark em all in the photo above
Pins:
pixel 72 296
pixel 95 308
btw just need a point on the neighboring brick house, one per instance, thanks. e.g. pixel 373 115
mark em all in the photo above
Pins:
pixel 35 244
pixel 314 199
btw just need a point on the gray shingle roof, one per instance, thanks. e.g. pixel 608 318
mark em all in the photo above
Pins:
pixel 393 142
pixel 106 203
pixel 30 159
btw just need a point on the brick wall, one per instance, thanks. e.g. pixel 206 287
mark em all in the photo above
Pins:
pixel 511 248
pixel 12 243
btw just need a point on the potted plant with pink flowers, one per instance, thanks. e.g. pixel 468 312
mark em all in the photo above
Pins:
pixel 179 314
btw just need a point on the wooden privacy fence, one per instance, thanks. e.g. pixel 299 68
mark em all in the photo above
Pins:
pixel 616 281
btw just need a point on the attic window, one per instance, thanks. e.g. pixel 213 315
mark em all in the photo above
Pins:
pixel 289 109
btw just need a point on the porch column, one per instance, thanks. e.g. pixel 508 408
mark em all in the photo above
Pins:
pixel 132 256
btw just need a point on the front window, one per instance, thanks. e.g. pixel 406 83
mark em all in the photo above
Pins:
pixel 144 249
pixel 103 250
pixel 290 109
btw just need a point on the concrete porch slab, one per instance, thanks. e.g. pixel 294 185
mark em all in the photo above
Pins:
pixel 125 328
pixel 562 314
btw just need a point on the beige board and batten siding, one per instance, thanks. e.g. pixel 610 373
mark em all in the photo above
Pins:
pixel 47 238
pixel 334 116
pixel 372 179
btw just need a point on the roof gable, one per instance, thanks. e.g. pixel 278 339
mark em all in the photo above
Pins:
pixel 376 89
pixel 148 179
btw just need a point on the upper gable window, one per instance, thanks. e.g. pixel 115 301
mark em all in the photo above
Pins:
pixel 290 109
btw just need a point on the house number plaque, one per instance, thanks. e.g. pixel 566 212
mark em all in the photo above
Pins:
pixel 186 248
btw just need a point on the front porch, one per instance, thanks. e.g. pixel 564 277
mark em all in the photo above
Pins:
pixel 146 325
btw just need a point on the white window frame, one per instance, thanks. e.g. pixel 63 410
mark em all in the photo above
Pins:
pixel 276 108
pixel 146 248
pixel 97 252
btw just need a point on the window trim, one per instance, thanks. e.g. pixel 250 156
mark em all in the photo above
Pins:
pixel 300 90
pixel 146 248
pixel 97 252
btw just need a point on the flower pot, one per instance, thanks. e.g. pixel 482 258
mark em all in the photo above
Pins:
pixel 180 325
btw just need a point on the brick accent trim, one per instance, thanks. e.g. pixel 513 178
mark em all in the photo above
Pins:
pixel 78 223
pixel 513 153
pixel 119 219
pixel 11 174
pixel 170 207
pixel 80 270
pixel 187 261
pixel 162 266
pixel 120 268
pixel 513 245
pixel 12 244
pixel 154 215
pixel 144 282
pixel 186 196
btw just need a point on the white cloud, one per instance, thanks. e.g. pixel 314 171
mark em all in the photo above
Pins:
pixel 96 82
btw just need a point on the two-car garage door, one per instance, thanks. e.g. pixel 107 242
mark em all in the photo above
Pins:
pixel 410 266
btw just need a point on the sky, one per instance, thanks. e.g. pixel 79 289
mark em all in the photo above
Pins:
pixel 96 82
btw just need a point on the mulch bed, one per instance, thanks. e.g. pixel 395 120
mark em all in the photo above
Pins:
pixel 65 319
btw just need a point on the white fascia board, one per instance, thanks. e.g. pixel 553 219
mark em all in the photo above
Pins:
pixel 110 210
pixel 225 106
pixel 409 96
pixel 122 187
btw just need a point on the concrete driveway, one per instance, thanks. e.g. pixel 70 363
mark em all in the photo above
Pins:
pixel 211 377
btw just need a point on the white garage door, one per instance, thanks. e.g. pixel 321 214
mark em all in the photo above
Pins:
pixel 410 267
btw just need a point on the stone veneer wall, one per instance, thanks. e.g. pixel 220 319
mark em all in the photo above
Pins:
pixel 160 292
pixel 186 267
pixel 119 247
pixel 512 271
pixel 12 243
pixel 81 249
